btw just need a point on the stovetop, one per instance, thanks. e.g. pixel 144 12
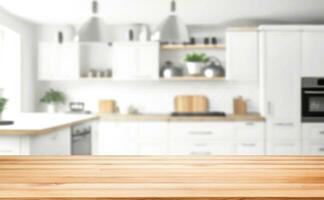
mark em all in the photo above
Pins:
pixel 199 114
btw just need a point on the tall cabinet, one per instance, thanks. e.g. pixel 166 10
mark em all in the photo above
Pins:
pixel 280 62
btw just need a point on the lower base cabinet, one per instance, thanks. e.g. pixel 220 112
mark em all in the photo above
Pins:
pixel 284 147
pixel 313 138
pixel 14 145
pixel 181 138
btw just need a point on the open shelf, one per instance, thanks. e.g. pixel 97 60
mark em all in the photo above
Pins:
pixel 193 78
pixel 189 46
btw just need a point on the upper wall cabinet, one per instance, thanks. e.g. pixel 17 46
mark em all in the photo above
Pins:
pixel 58 61
pixel 136 60
pixel 242 55
pixel 312 55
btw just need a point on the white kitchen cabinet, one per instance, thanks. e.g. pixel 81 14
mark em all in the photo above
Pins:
pixel 249 147
pixel 135 60
pixel 313 138
pixel 280 54
pixel 132 138
pixel 242 55
pixel 284 147
pixel 9 145
pixel 53 143
pixel 312 53
pixel 58 61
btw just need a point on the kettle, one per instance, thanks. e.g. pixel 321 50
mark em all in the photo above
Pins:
pixel 214 68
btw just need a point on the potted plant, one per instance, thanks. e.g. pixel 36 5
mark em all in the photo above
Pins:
pixel 3 102
pixel 52 99
pixel 195 62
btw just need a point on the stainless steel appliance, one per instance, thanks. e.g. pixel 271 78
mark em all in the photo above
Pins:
pixel 313 99
pixel 81 139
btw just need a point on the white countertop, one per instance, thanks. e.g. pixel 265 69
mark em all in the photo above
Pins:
pixel 37 123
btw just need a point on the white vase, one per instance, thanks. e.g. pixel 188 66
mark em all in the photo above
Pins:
pixel 51 108
pixel 195 68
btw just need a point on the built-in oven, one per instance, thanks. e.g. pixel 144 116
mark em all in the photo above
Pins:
pixel 313 99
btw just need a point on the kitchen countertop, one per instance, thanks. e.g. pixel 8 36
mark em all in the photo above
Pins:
pixel 38 123
pixel 156 178
pixel 156 117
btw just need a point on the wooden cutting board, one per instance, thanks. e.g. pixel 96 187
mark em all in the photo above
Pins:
pixel 191 104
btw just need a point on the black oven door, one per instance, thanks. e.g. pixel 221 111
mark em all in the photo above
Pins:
pixel 313 104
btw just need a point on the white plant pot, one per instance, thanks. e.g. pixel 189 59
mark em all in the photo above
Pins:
pixel 51 108
pixel 195 68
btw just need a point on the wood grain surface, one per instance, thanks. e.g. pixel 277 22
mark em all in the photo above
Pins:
pixel 157 178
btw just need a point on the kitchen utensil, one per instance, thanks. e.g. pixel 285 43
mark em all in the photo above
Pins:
pixel 190 104
pixel 60 37
pixel 168 70
pixel 107 106
pixel 206 40
pixel 239 106
pixel 214 68
pixel 214 40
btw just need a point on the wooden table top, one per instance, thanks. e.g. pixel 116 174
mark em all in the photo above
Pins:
pixel 144 178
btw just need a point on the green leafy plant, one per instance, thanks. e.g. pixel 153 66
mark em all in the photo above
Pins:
pixel 53 97
pixel 196 57
pixel 3 102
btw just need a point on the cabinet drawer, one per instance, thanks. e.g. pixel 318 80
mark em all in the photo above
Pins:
pixel 9 145
pixel 253 130
pixel 284 131
pixel 284 148
pixel 313 131
pixel 249 148
pixel 313 148
pixel 201 148
pixel 201 130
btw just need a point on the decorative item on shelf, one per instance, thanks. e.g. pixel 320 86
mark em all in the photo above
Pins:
pixel 206 40
pixel 145 33
pixel 130 35
pixel 107 73
pixel 195 63
pixel 3 102
pixel 52 98
pixel 172 29
pixel 192 41
pixel 214 68
pixel 169 70
pixel 239 106
pixel 107 106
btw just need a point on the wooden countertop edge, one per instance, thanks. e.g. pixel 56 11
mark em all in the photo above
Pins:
pixel 46 130
pixel 118 117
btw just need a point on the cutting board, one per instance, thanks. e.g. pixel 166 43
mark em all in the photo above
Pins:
pixel 190 104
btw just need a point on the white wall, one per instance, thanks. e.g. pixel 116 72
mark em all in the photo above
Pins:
pixel 26 30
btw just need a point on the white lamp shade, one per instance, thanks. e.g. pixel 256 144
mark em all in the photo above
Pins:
pixel 171 30
pixel 92 31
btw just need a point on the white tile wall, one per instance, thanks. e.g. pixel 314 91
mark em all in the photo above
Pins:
pixel 155 96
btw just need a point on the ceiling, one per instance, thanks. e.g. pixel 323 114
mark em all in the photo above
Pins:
pixel 152 11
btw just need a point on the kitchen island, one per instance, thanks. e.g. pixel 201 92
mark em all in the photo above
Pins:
pixel 40 133
pixel 143 178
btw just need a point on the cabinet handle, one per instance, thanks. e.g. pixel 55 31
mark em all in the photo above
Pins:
pixel 284 124
pixel 200 132
pixel 249 144
pixel 269 108
pixel 200 153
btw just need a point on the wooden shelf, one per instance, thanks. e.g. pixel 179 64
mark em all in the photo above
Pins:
pixel 193 78
pixel 196 46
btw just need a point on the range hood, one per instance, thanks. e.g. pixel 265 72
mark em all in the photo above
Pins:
pixel 94 29
pixel 172 29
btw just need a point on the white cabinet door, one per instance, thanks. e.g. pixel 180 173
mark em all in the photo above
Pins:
pixel 9 145
pixel 118 138
pixel 54 143
pixel 250 130
pixel 242 55
pixel 284 147
pixel 58 61
pixel 312 54
pixel 281 83
pixel 250 147
pixel 135 60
